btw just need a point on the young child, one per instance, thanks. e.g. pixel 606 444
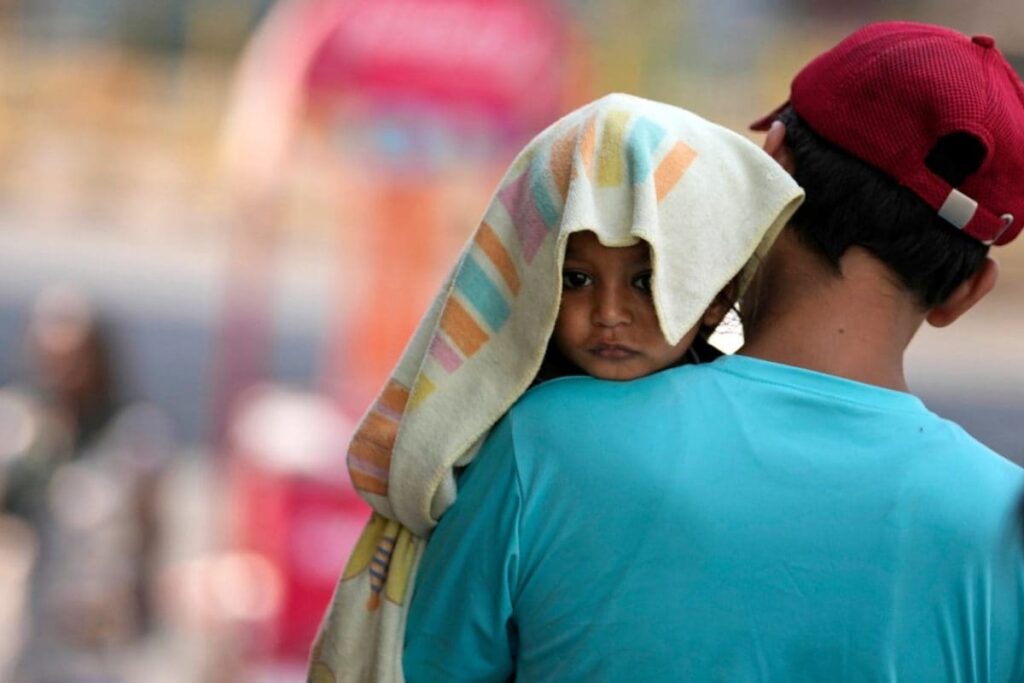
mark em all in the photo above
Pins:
pixel 607 326
pixel 604 251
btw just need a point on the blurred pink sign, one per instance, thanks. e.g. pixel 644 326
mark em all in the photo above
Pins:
pixel 504 57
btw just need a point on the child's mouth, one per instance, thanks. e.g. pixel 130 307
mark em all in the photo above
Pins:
pixel 612 351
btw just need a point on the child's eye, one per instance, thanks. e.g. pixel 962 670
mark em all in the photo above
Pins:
pixel 643 282
pixel 574 279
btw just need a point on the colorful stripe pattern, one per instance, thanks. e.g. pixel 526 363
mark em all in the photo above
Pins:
pixel 369 454
pixel 489 279
pixel 641 147
pixel 485 288
pixel 386 550
pixel 379 569
pixel 624 150
pixel 529 202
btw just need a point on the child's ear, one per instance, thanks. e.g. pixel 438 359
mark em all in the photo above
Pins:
pixel 721 305
pixel 971 291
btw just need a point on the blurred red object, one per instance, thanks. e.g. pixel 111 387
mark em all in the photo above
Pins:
pixel 497 59
pixel 293 505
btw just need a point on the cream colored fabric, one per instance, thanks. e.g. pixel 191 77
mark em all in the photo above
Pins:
pixel 709 203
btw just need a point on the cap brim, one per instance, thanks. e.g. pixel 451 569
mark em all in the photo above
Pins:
pixel 765 122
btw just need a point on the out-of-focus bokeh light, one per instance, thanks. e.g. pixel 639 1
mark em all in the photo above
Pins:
pixel 220 222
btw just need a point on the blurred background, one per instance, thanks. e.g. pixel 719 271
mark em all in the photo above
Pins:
pixel 220 221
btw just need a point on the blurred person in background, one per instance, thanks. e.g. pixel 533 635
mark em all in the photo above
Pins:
pixel 79 465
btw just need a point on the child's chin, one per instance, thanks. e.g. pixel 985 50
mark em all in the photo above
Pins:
pixel 620 374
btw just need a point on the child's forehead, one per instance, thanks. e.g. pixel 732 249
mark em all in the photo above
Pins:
pixel 586 244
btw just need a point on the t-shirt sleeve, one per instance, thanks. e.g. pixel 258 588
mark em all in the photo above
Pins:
pixel 460 625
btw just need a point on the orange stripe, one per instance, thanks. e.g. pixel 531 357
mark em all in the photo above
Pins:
pixel 379 429
pixel 462 329
pixel 370 453
pixel 364 482
pixel 672 168
pixel 587 145
pixel 561 160
pixel 491 245
pixel 394 397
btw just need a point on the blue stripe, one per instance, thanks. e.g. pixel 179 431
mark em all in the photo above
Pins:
pixel 539 190
pixel 482 294
pixel 377 575
pixel 643 140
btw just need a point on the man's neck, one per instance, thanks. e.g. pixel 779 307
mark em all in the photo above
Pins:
pixel 856 326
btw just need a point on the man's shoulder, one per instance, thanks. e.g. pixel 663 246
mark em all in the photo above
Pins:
pixel 957 486
pixel 954 449
pixel 586 394
pixel 974 464
pixel 562 390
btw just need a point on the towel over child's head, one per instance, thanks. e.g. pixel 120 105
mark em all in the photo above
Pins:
pixel 706 201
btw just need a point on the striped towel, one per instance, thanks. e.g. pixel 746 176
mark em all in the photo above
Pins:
pixel 708 201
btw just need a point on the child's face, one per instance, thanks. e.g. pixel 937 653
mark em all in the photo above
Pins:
pixel 606 324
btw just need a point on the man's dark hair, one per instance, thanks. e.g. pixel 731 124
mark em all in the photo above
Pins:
pixel 850 203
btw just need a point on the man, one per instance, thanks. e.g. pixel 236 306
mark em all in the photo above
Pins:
pixel 791 513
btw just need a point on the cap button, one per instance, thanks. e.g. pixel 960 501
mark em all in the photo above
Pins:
pixel 984 41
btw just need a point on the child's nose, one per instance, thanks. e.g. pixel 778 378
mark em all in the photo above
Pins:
pixel 612 308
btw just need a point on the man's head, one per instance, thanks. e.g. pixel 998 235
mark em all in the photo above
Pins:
pixel 909 142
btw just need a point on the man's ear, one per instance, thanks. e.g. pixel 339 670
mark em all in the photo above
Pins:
pixel 971 291
pixel 775 146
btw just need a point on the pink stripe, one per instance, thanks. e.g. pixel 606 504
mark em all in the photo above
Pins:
pixel 444 354
pixel 518 200
pixel 367 468
pixel 387 412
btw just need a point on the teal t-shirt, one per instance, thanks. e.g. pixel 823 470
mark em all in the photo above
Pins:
pixel 738 521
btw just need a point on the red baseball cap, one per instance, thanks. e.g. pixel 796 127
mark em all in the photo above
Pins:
pixel 890 91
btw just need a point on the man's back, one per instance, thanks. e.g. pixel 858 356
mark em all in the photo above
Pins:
pixel 743 521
